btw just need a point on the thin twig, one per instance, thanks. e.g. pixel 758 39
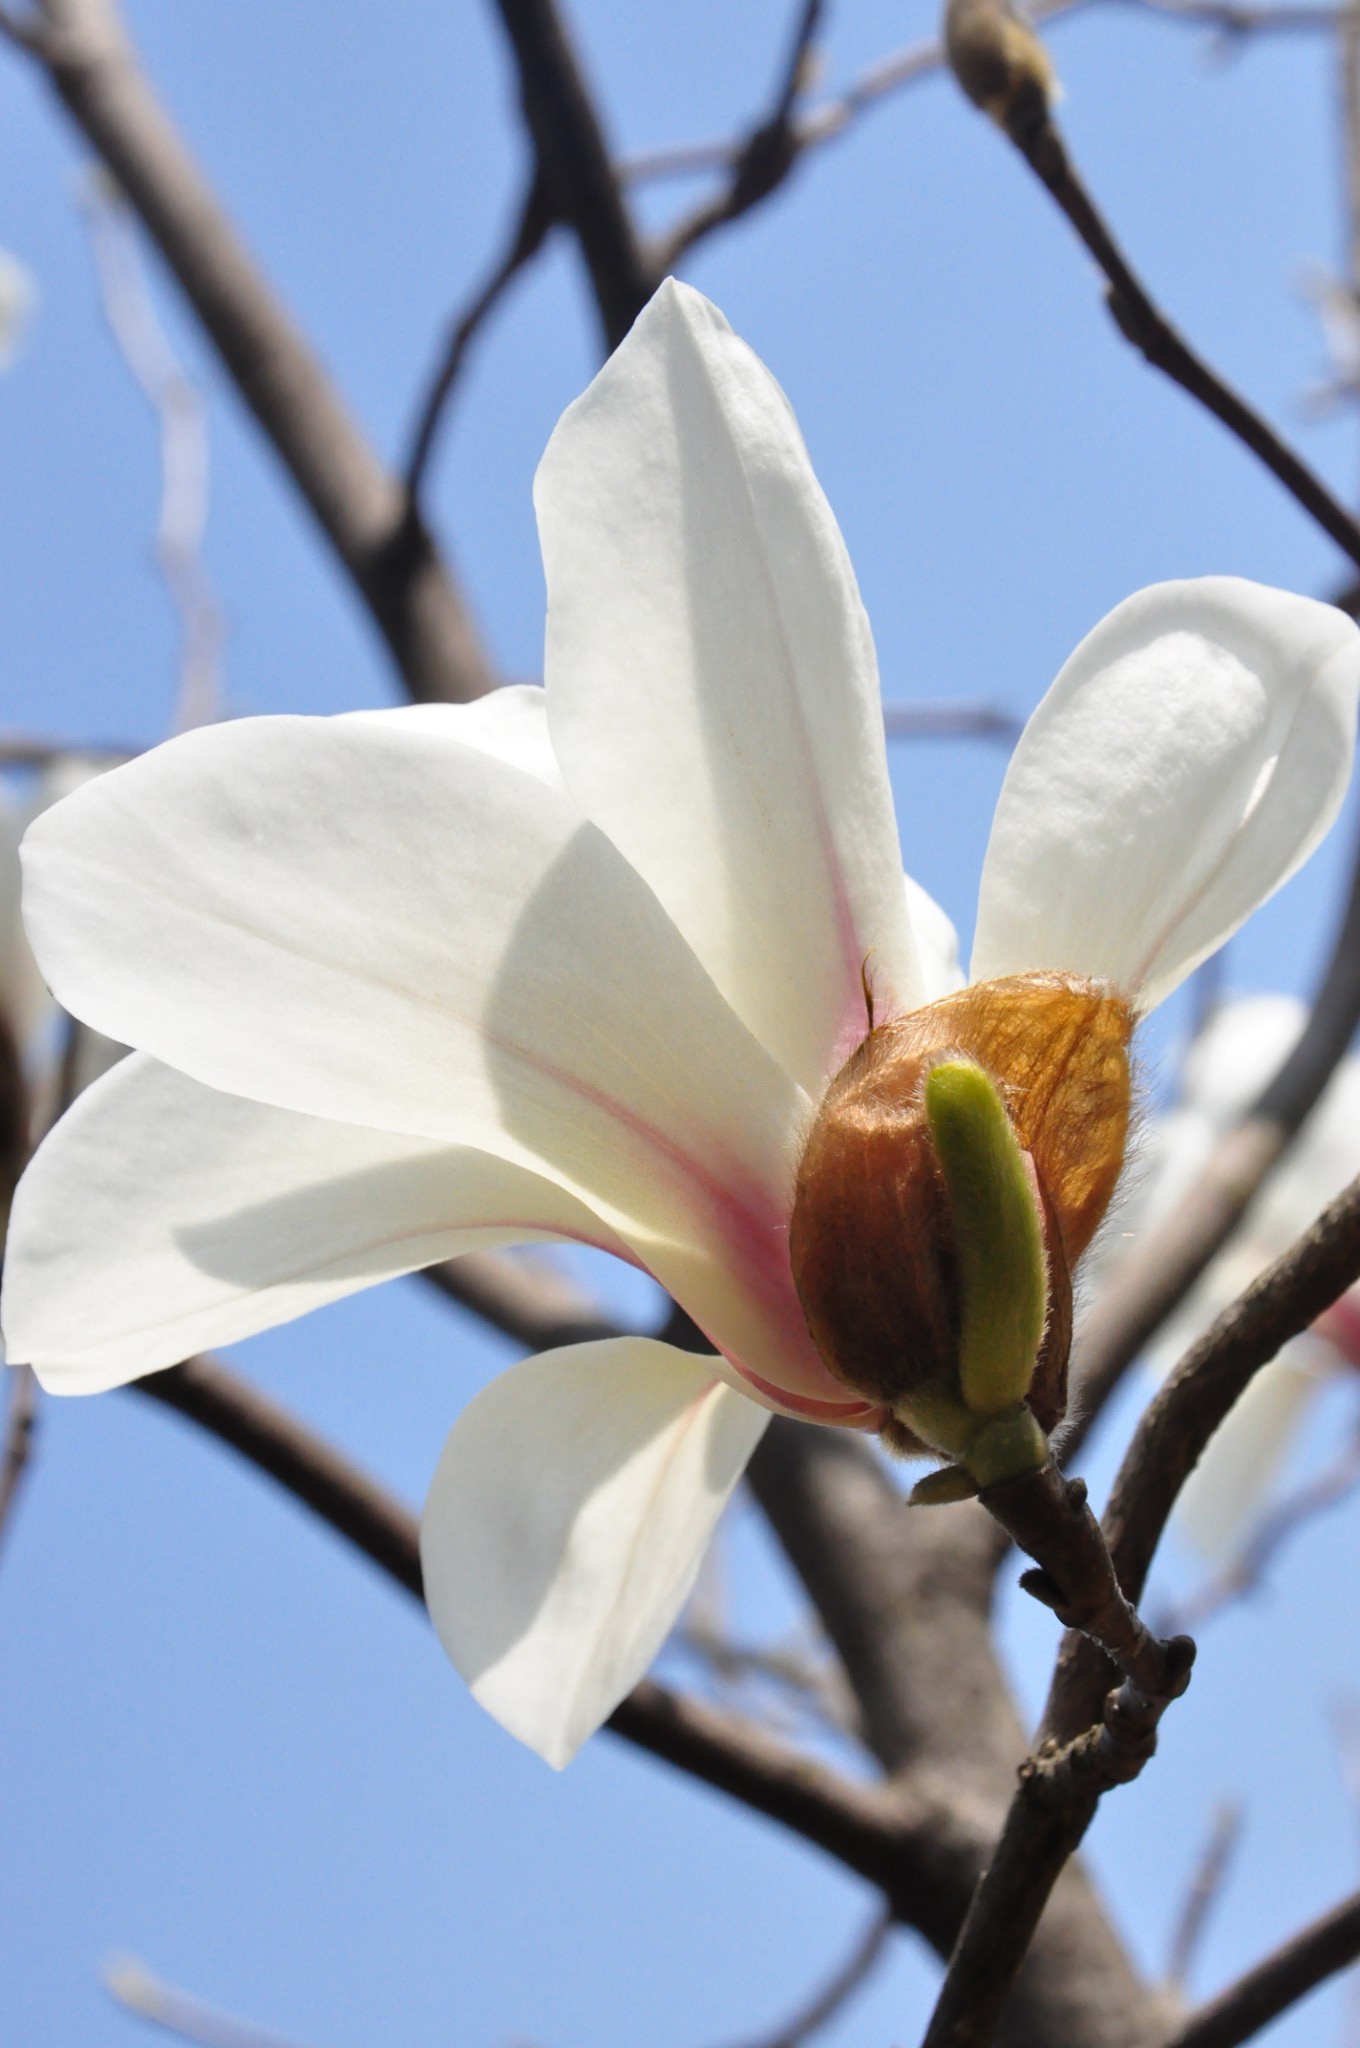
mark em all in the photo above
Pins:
pixel 834 1996
pixel 21 1423
pixel 574 165
pixel 819 124
pixel 531 230
pixel 360 508
pixel 855 1823
pixel 832 117
pixel 1244 1573
pixel 1206 1888
pixel 182 419
pixel 1155 1277
pixel 1328 1945
pixel 817 1685
pixel 132 1986
pixel 1143 323
pixel 760 163
pixel 951 721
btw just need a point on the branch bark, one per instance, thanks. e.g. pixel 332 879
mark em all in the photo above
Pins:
pixel 1159 1274
pixel 1329 1945
pixel 1186 1411
pixel 575 168
pixel 388 555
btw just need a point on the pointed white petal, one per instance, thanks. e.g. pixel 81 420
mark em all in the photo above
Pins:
pixel 712 688
pixel 937 943
pixel 565 1524
pixel 161 1217
pixel 368 922
pixel 1185 763
pixel 511 724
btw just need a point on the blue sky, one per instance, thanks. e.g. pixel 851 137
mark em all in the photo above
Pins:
pixel 226 1745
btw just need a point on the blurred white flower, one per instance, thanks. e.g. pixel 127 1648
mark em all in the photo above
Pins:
pixel 18 298
pixel 1228 1066
pixel 580 964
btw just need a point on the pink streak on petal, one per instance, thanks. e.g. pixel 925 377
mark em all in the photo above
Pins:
pixel 744 1225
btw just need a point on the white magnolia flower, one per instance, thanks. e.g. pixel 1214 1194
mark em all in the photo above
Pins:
pixel 18 296
pixel 1228 1066
pixel 580 964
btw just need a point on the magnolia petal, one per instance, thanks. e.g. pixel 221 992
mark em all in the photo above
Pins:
pixel 1186 762
pixel 1246 1452
pixel 364 921
pixel 937 943
pixel 161 1217
pixel 565 1524
pixel 712 687
pixel 510 723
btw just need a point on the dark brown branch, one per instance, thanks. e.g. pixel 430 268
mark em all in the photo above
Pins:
pixel 1329 1945
pixel 531 1302
pixel 1059 1788
pixel 1160 1272
pixel 1096 1739
pixel 531 231
pixel 983 46
pixel 1186 1411
pixel 360 508
pixel 574 164
pixel 854 1823
pixel 906 1596
pixel 1048 1517
pixel 763 160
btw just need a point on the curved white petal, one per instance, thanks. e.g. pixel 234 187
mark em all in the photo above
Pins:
pixel 1233 1477
pixel 937 943
pixel 161 1217
pixel 712 688
pixel 365 921
pixel 1185 763
pixel 510 723
pixel 565 1524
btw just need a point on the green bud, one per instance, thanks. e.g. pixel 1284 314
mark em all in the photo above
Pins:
pixel 939 1418
pixel 937 1489
pixel 1008 1447
pixel 998 1236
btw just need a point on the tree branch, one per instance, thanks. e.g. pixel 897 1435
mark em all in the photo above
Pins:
pixel 574 166
pixel 977 33
pixel 1160 1272
pixel 1328 1945
pixel 182 421
pixel 854 1823
pixel 531 231
pixel 360 508
pixel 21 1422
pixel 759 164
pixel 1186 1411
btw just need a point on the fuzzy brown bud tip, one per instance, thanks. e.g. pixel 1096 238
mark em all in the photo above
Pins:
pixel 872 1236
pixel 1001 64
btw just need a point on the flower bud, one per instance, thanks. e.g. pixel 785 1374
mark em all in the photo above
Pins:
pixel 933 1255
pixel 1000 63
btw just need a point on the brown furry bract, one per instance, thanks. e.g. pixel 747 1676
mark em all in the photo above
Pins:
pixel 871 1236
